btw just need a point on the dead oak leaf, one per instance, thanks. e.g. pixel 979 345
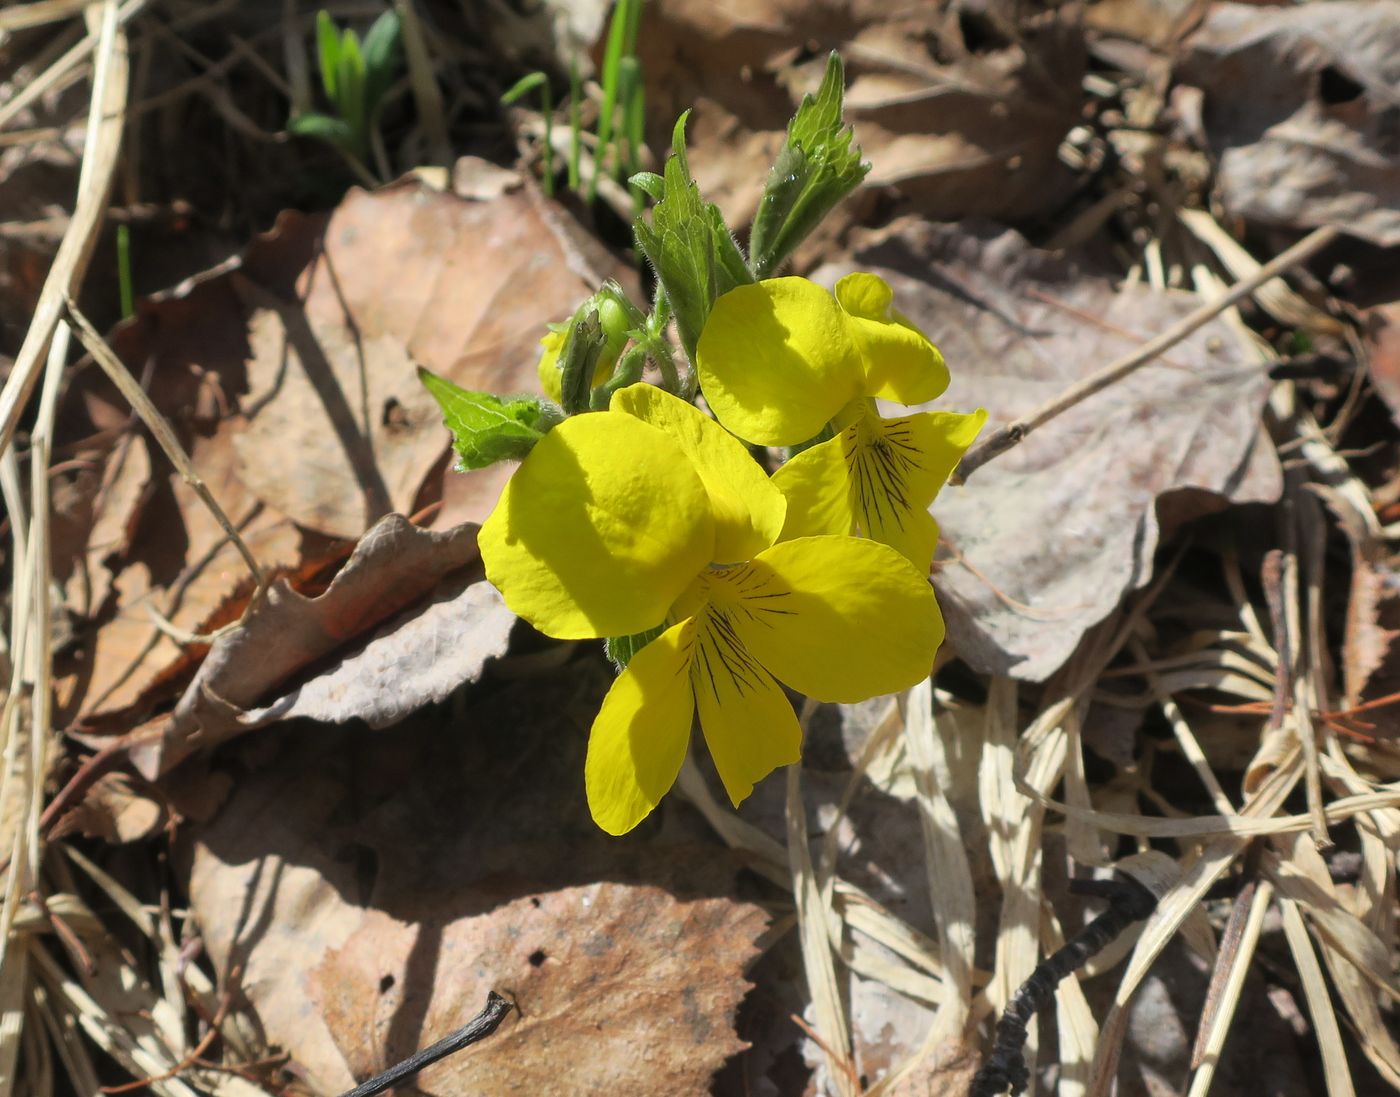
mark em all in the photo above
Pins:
pixel 1300 106
pixel 338 429
pixel 424 654
pixel 1044 541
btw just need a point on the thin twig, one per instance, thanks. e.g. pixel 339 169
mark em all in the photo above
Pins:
pixel 478 1028
pixel 160 429
pixel 999 441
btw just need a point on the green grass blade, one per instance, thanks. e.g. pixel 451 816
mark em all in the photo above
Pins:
pixel 128 301
pixel 328 52
pixel 612 65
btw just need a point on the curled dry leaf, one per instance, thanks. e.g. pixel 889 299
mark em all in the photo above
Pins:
pixel 960 111
pixel 1045 540
pixel 375 887
pixel 419 657
pixel 1300 106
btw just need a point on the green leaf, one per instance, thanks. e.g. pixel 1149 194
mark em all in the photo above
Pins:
pixel 334 131
pixel 485 428
pixel 381 54
pixel 328 50
pixel 351 87
pixel 650 183
pixel 815 169
pixel 623 649
pixel 689 245
pixel 523 87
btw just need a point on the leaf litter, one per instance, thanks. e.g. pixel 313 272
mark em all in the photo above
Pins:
pixel 406 829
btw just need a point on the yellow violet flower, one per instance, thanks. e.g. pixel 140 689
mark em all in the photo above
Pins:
pixel 783 358
pixel 651 514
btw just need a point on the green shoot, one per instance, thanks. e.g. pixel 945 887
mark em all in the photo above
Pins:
pixel 355 77
pixel 519 90
pixel 127 298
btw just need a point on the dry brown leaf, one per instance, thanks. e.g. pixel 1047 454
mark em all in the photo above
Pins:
pixel 960 108
pixel 290 373
pixel 418 658
pixel 1300 107
pixel 375 887
pixel 1043 542
pixel 400 277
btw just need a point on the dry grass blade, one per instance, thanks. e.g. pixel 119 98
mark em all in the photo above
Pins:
pixel 55 73
pixel 1210 826
pixel 1324 1018
pixel 1018 818
pixel 25 723
pixel 814 936
pixel 1173 910
pixel 945 858
pixel 1215 1024
pixel 769 857
pixel 106 1031
pixel 1274 296
pixel 1079 1034
pixel 38 14
pixel 71 260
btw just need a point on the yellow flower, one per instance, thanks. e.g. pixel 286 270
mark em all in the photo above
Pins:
pixel 650 514
pixel 783 358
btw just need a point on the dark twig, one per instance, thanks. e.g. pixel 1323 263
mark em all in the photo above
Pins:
pixel 478 1028
pixel 1128 902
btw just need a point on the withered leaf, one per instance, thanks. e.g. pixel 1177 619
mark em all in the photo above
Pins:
pixel 382 678
pixel 374 887
pixel 1300 106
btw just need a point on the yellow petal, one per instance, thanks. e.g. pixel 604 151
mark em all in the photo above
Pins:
pixel 748 722
pixel 777 359
pixel 639 737
pixel 601 528
pixel 748 508
pixel 900 363
pixel 897 467
pixel 550 380
pixel 836 618
pixel 817 484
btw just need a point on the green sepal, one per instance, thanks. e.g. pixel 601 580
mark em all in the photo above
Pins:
pixel 579 356
pixel 623 649
pixel 486 428
pixel 814 170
